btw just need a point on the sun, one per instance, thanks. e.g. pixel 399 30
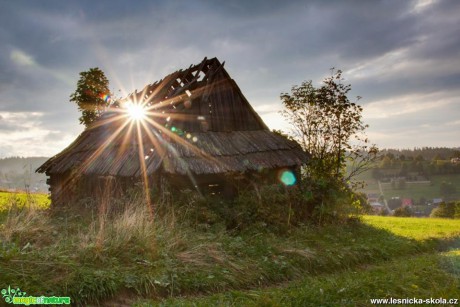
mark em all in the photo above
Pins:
pixel 135 111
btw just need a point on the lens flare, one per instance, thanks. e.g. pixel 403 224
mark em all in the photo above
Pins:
pixel 135 111
pixel 106 97
pixel 287 178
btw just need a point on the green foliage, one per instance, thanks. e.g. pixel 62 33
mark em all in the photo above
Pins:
pixel 447 210
pixel 403 212
pixel 457 210
pixel 423 153
pixel 327 125
pixel 274 207
pixel 92 95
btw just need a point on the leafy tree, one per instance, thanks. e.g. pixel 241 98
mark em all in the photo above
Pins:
pixel 92 95
pixel 329 126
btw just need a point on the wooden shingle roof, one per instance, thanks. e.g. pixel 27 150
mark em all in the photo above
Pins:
pixel 199 122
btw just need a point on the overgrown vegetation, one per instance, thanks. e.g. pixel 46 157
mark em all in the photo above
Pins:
pixel 447 210
pixel 275 207
pixel 423 278
pixel 329 126
pixel 92 255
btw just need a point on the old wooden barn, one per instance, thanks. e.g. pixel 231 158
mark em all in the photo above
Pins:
pixel 198 131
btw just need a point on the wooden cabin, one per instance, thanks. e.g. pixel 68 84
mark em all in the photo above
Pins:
pixel 199 131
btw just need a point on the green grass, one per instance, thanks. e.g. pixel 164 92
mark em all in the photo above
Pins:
pixel 421 277
pixel 21 199
pixel 416 228
pixel 92 258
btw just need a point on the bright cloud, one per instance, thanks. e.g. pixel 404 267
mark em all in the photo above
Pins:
pixel 403 105
pixel 21 58
pixel 22 133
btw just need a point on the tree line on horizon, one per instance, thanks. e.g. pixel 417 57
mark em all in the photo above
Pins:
pixel 427 153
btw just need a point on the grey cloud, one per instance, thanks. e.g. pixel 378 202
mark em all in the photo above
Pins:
pixel 268 46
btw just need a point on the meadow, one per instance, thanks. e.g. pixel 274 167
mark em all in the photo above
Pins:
pixel 21 199
pixel 129 259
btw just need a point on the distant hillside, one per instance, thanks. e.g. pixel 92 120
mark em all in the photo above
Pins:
pixel 18 173
pixel 428 153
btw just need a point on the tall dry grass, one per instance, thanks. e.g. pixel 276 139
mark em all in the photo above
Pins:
pixel 29 224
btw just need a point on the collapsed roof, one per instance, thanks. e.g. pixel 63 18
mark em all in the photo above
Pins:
pixel 198 122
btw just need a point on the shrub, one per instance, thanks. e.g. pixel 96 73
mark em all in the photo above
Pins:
pixel 276 207
pixel 403 211
pixel 457 210
pixel 272 206
pixel 444 210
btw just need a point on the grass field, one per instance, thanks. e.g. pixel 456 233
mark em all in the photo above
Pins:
pixel 414 275
pixel 21 199
pixel 94 258
pixel 421 276
pixel 416 228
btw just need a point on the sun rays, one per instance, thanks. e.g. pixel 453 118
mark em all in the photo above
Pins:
pixel 135 111
pixel 144 133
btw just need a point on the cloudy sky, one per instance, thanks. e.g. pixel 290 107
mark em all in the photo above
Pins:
pixel 402 57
